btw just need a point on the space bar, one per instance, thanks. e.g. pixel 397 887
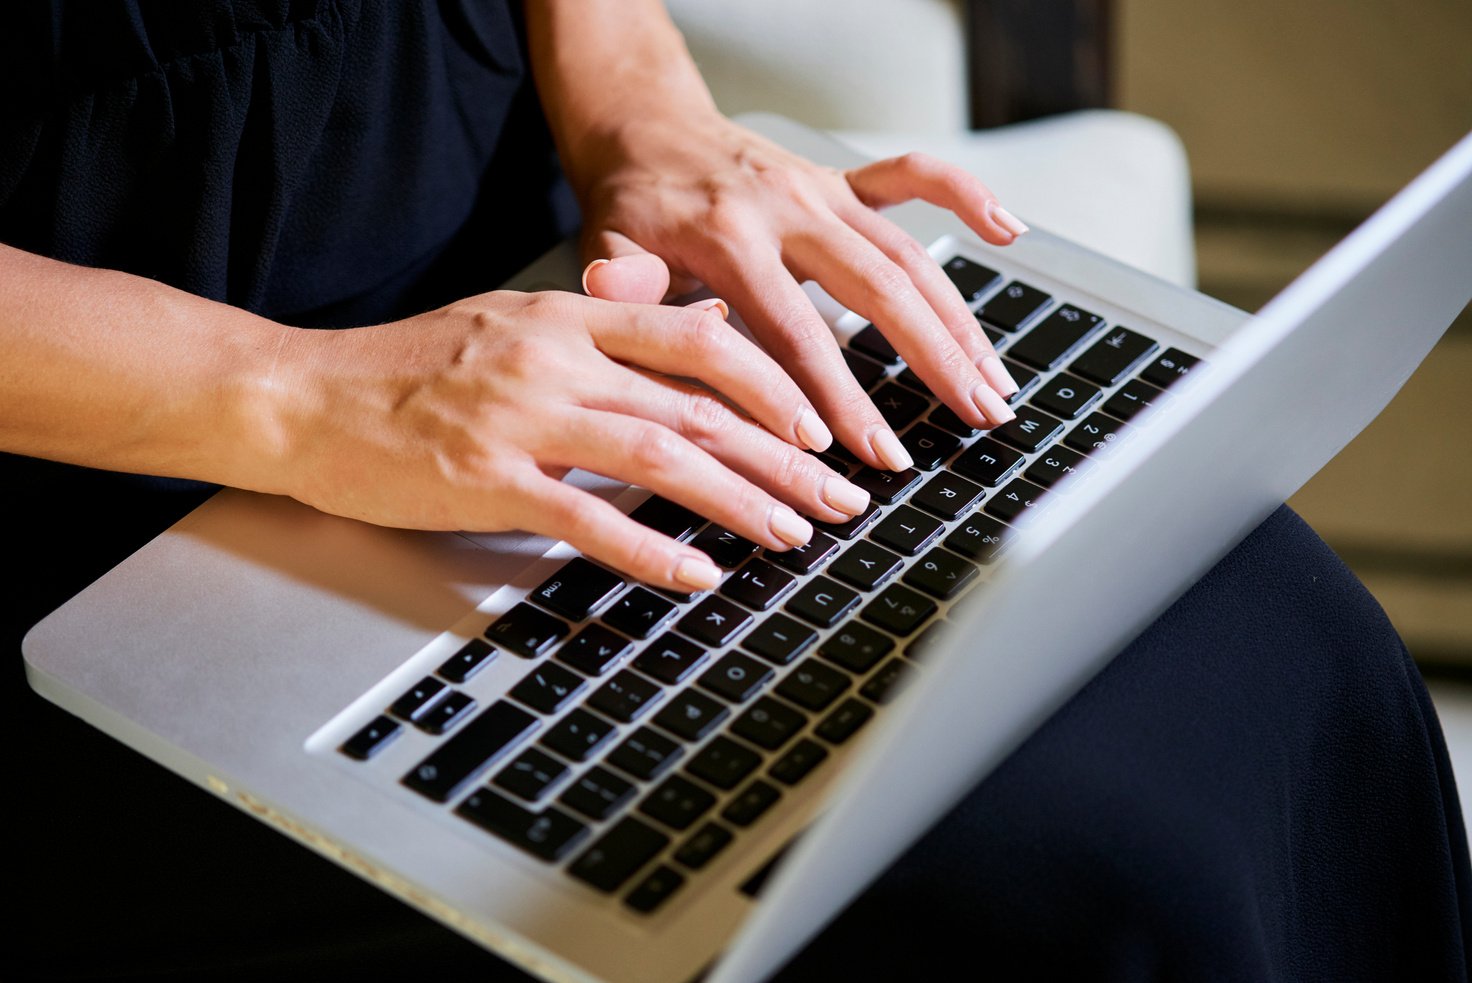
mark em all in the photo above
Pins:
pixel 480 742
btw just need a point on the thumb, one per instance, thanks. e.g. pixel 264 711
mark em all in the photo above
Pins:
pixel 622 270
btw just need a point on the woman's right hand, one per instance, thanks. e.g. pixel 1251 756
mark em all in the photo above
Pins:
pixel 466 417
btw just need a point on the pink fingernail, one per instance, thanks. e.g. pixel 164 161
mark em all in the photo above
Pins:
pixel 992 406
pixel 1005 219
pixel 844 496
pixel 891 451
pixel 714 302
pixel 997 376
pixel 700 574
pixel 812 431
pixel 790 527
pixel 589 269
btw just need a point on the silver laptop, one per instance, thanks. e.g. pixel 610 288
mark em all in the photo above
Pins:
pixel 592 778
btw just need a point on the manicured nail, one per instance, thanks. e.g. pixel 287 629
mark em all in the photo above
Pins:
pixel 697 573
pixel 811 430
pixel 790 527
pixel 891 451
pixel 997 376
pixel 714 302
pixel 589 269
pixel 845 496
pixel 992 406
pixel 1006 219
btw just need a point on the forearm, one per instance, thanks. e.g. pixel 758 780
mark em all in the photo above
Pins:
pixel 120 372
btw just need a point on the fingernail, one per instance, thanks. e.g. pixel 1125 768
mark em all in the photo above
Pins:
pixel 790 527
pixel 992 406
pixel 589 269
pixel 1006 219
pixel 845 496
pixel 811 430
pixel 997 376
pixel 891 451
pixel 714 302
pixel 700 574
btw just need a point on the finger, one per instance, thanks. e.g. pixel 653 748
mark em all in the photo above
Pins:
pixel 699 343
pixel 645 453
pixel 621 270
pixel 604 533
pixel 782 317
pixel 864 280
pixel 900 179
pixel 791 475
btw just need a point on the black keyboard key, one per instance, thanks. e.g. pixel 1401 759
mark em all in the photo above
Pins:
pixel 980 538
pixel 531 774
pixel 886 487
pixel 1132 399
pixel 646 754
pixel 691 715
pixel 417 700
pixel 714 621
pixel 997 338
pixel 1011 502
pixel 866 565
pixel 813 685
pixel 929 446
pixel 941 574
pixel 899 610
pixel 1025 378
pixel 662 515
pixel 823 602
pixel 898 405
pixel 723 546
pixel 841 466
pixel 1169 368
pixel 844 722
pixel 639 613
pixel 909 377
pixel 736 677
pixel 971 278
pixel 655 890
pixel 798 762
pixel 758 585
pixel 548 688
pixel 625 696
pixel 850 528
pixel 579 588
pixel 988 462
pixel 456 762
pixel 750 805
pixel 618 854
pixel 703 845
pixel 445 713
pixel 579 735
pixel 594 649
pixel 598 793
pixel 1061 333
pixel 1014 306
pixel 548 834
pixel 906 530
pixel 1096 432
pixel 779 639
pixel 866 371
pixel 670 658
pixel 724 763
pixel 1055 464
pixel 373 738
pixel 1066 396
pixel 677 802
pixel 1031 430
pixel 870 341
pixel 884 685
pixel 807 557
pixel 946 418
pixel 471 659
pixel 947 495
pixel 527 631
pixel 1113 356
pixel 769 723
pixel 856 647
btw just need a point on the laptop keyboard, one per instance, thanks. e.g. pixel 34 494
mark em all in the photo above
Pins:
pixel 651 728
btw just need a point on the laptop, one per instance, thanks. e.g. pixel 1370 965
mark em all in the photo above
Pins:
pixel 597 780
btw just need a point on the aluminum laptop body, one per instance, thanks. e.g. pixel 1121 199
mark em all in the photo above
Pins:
pixel 249 640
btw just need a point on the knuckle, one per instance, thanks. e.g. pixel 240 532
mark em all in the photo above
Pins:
pixel 886 281
pixel 910 253
pixel 918 164
pixel 792 469
pixel 704 417
pixel 646 556
pixel 654 449
pixel 706 335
